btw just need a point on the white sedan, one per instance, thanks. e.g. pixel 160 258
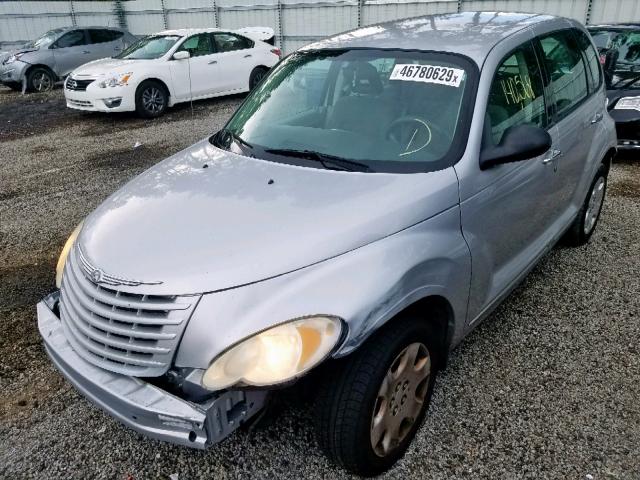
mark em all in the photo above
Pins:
pixel 171 67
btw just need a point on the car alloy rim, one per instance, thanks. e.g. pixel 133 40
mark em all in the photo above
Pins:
pixel 257 77
pixel 400 398
pixel 152 100
pixel 596 200
pixel 42 82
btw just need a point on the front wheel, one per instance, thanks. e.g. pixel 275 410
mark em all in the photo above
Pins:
pixel 151 99
pixel 585 223
pixel 372 408
pixel 40 79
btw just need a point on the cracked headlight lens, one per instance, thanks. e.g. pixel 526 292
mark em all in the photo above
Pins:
pixel 275 355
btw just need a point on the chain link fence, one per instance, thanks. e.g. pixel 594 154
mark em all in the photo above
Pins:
pixel 295 22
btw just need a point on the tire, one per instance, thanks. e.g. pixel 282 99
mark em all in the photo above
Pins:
pixel 585 223
pixel 152 99
pixel 353 390
pixel 40 79
pixel 257 74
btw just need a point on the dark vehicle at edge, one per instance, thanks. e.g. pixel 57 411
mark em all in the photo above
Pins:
pixel 619 50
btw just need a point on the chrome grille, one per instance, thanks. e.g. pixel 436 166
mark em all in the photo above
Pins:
pixel 77 85
pixel 132 334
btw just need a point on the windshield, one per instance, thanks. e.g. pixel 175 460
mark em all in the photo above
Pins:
pixel 45 38
pixel 380 110
pixel 149 48
pixel 601 38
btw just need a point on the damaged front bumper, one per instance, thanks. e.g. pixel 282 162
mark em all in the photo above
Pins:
pixel 140 405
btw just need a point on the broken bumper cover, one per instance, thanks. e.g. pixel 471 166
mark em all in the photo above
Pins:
pixel 144 407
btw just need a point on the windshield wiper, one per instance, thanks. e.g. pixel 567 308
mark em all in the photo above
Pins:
pixel 234 136
pixel 328 161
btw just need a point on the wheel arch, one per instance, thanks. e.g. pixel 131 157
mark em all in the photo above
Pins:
pixel 438 312
pixel 32 67
pixel 160 81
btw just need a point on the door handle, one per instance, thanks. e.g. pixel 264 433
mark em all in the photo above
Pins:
pixel 553 155
pixel 598 117
pixel 213 62
pixel 247 55
pixel 86 51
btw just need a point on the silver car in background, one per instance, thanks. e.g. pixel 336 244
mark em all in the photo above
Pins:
pixel 37 65
pixel 373 199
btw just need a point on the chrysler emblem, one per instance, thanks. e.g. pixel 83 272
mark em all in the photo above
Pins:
pixel 96 275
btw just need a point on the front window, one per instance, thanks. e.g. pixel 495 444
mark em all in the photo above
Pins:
pixel 369 110
pixel 516 96
pixel 149 48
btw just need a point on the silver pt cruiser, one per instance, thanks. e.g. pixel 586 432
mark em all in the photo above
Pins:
pixel 369 203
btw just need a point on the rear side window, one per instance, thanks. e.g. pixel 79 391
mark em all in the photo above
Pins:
pixel 517 93
pixel 591 58
pixel 567 71
pixel 71 39
pixel 227 42
pixel 103 36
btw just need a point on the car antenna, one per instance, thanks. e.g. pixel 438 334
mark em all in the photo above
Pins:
pixel 190 87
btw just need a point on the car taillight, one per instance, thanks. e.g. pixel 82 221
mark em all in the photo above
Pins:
pixel 603 59
pixel 276 51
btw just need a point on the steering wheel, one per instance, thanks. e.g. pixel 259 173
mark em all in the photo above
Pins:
pixel 413 139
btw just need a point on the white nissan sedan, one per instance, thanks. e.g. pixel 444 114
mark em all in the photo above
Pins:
pixel 171 67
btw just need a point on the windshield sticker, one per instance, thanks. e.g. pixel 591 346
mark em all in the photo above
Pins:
pixel 517 89
pixel 428 74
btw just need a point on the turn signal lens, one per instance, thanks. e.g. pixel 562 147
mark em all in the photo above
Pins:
pixel 275 355
pixel 65 253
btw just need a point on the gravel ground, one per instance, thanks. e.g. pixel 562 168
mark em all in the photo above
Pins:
pixel 547 387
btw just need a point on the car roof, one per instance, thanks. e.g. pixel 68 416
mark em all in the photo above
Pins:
pixel 183 32
pixel 473 34
pixel 615 26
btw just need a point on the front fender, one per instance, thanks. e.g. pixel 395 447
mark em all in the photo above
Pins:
pixel 366 287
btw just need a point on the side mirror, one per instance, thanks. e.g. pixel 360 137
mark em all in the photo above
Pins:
pixel 182 55
pixel 520 142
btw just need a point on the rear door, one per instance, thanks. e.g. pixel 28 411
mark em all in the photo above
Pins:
pixel 508 219
pixel 70 51
pixel 576 112
pixel 236 59
pixel 104 42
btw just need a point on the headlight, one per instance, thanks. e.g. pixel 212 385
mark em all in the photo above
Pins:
pixel 65 253
pixel 628 103
pixel 275 355
pixel 115 80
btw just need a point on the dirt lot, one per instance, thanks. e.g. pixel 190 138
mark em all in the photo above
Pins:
pixel 548 387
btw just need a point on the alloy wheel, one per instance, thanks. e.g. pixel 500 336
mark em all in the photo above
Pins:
pixel 153 100
pixel 42 82
pixel 400 398
pixel 596 199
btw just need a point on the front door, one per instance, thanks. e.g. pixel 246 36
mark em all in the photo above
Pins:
pixel 70 51
pixel 198 75
pixel 508 219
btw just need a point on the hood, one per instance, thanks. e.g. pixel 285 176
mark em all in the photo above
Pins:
pixel 242 220
pixel 4 55
pixel 105 66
